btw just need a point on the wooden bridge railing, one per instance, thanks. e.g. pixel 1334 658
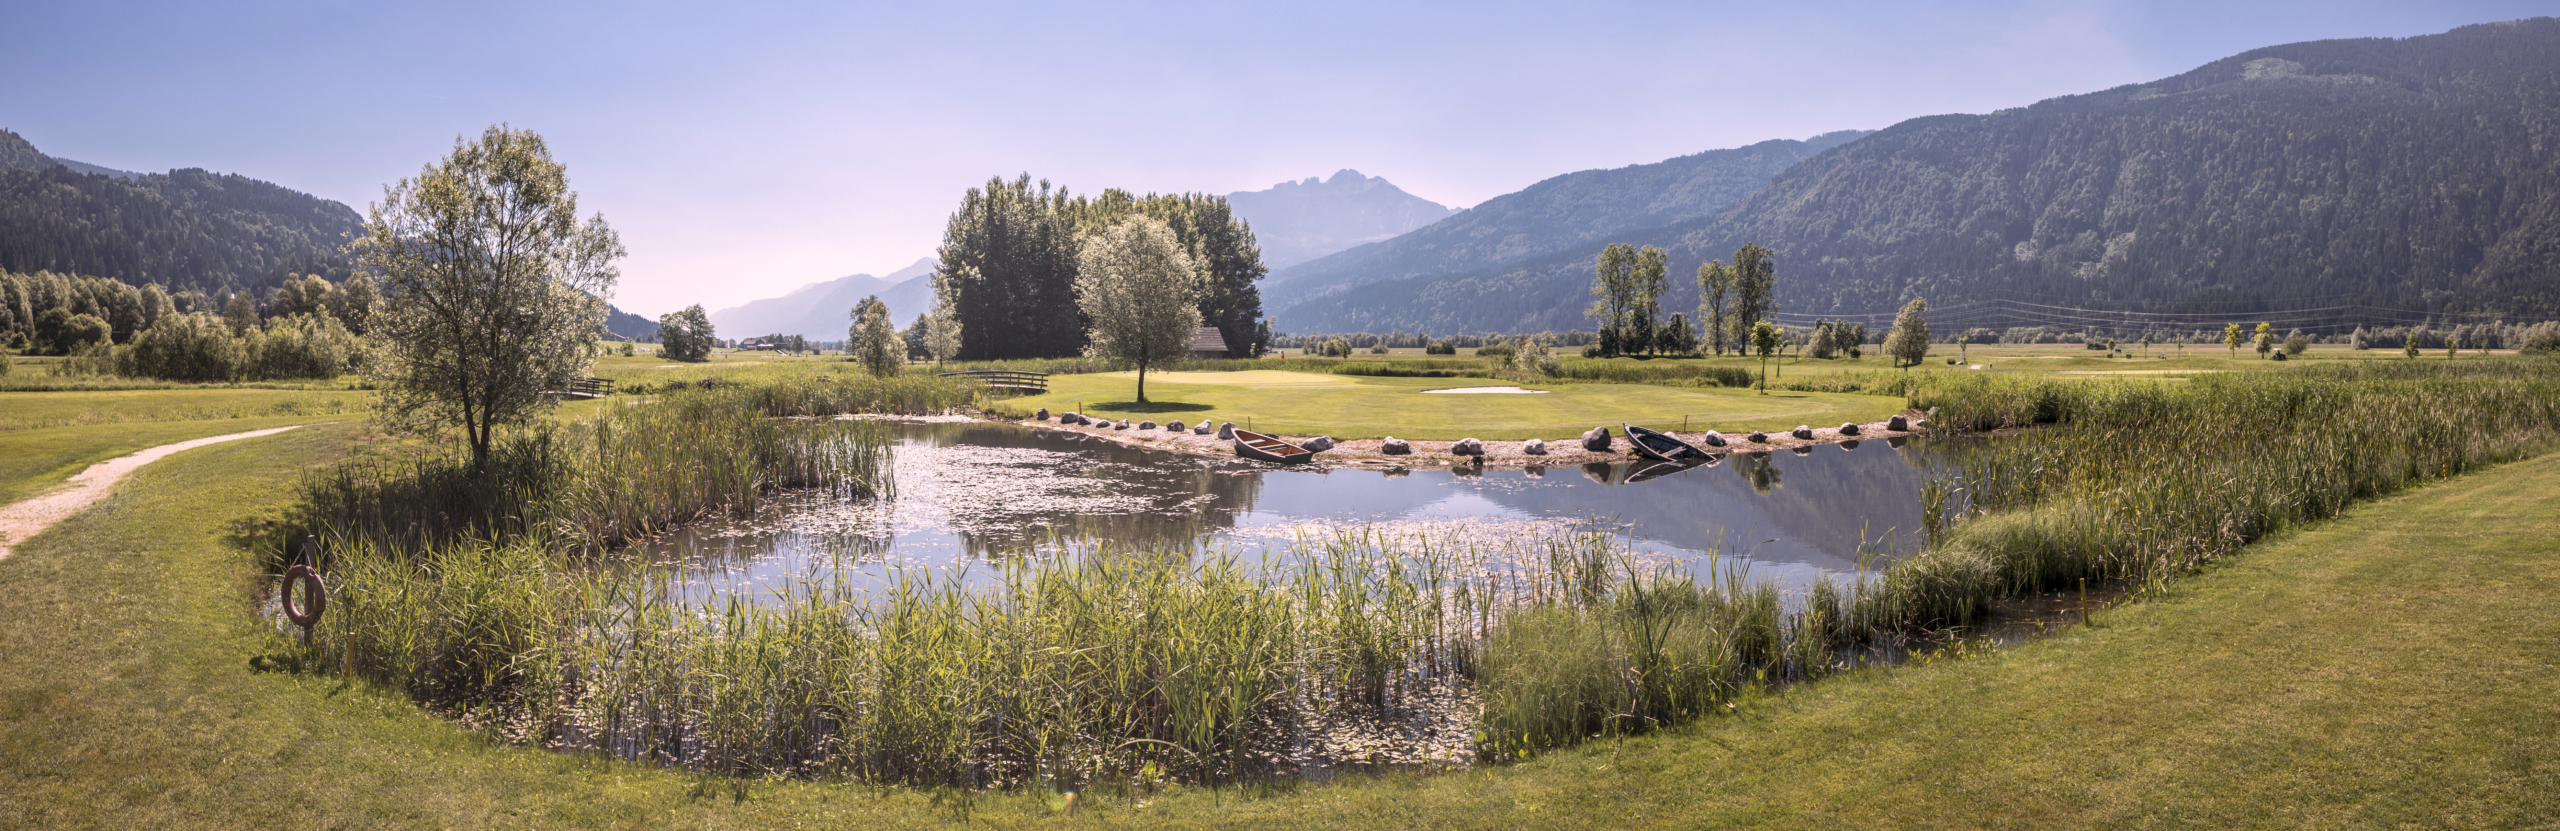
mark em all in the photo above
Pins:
pixel 1009 379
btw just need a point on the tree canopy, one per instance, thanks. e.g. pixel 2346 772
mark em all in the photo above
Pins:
pixel 1137 285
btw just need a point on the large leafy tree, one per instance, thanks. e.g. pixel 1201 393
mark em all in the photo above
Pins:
pixel 492 287
pixel 686 334
pixel 1755 286
pixel 876 344
pixel 1715 305
pixel 1613 283
pixel 1137 285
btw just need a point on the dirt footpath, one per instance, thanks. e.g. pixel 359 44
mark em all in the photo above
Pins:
pixel 29 518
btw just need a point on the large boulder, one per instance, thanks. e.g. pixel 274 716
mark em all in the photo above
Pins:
pixel 1318 444
pixel 1802 431
pixel 1467 447
pixel 1203 429
pixel 1597 440
pixel 1712 439
pixel 1042 415
pixel 1534 447
pixel 1897 423
pixel 1175 426
pixel 1070 418
pixel 1758 437
pixel 1147 424
pixel 1848 428
pixel 1226 430
pixel 1393 446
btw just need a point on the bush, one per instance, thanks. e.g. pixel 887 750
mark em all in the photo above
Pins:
pixel 1379 349
pixel 1335 348
pixel 190 347
pixel 2542 339
pixel 306 346
pixel 1442 346
pixel 2296 344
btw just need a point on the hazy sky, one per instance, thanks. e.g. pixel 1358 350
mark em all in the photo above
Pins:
pixel 743 149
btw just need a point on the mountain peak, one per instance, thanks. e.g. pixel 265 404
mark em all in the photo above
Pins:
pixel 1300 221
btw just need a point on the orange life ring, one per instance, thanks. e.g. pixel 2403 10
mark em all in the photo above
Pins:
pixel 313 591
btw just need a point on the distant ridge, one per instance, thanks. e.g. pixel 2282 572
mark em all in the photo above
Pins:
pixel 822 310
pixel 2419 174
pixel 1299 221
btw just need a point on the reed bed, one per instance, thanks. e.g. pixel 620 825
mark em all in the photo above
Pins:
pixel 1106 665
pixel 2144 480
pixel 629 471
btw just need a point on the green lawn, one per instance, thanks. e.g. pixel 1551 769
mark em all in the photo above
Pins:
pixel 1353 407
pixel 2393 668
pixel 32 410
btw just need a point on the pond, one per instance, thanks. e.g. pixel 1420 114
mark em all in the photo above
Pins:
pixel 968 493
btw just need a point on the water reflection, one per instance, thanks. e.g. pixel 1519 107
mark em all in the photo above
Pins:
pixel 972 493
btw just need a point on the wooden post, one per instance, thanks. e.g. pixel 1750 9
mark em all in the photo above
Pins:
pixel 2084 601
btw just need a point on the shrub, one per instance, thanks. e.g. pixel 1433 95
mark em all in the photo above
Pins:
pixel 1335 348
pixel 306 346
pixel 2296 344
pixel 1379 349
pixel 189 347
pixel 1442 346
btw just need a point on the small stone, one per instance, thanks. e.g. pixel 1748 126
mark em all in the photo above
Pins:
pixel 1758 437
pixel 1226 430
pixel 1597 440
pixel 1467 447
pixel 1318 444
pixel 1802 431
pixel 1042 415
pixel 1202 430
pixel 1122 424
pixel 1146 425
pixel 1897 423
pixel 1070 418
pixel 1393 446
pixel 1848 428
pixel 1712 439
pixel 1174 426
pixel 1535 447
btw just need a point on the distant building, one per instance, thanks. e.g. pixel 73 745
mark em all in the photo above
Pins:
pixel 1206 342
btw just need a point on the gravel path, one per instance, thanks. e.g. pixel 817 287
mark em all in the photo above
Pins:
pixel 29 518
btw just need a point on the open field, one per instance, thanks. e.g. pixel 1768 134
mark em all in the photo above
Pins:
pixel 1355 407
pixel 31 410
pixel 2377 670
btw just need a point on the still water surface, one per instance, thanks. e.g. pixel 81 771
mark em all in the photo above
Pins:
pixel 968 493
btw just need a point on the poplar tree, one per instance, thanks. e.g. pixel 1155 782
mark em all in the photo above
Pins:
pixel 1908 343
pixel 1715 305
pixel 1755 286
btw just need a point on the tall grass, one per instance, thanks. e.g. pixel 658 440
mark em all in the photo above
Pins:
pixel 2145 480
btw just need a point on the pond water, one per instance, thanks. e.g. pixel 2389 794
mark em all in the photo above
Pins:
pixel 968 492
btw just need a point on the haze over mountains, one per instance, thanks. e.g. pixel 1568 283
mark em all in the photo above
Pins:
pixel 822 311
pixel 1300 221
pixel 2419 173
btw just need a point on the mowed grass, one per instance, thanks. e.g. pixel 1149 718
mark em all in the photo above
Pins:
pixel 2390 668
pixel 37 410
pixel 1353 407
pixel 35 461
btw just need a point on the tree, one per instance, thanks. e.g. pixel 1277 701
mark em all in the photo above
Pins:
pixel 1136 284
pixel 2232 337
pixel 1908 343
pixel 1755 286
pixel 941 334
pixel 875 341
pixel 686 335
pixel 1715 305
pixel 2409 347
pixel 353 302
pixel 493 288
pixel 241 313
pixel 1614 283
pixel 1825 341
pixel 1765 338
pixel 1675 337
pixel 1647 283
pixel 2265 338
pixel 914 336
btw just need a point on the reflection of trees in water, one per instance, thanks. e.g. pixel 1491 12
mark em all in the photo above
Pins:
pixel 1760 470
pixel 1183 499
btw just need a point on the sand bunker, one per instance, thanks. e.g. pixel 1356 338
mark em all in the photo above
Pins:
pixel 28 518
pixel 1485 391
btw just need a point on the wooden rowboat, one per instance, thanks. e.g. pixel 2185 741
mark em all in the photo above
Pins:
pixel 1653 444
pixel 1252 445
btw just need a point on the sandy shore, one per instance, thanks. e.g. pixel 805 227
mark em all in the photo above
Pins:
pixel 1562 450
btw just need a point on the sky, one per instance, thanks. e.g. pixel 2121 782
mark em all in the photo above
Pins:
pixel 743 149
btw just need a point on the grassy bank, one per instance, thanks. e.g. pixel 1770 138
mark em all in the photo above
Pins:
pixel 2377 670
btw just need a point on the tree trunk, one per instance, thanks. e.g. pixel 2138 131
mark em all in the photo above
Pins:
pixel 1142 382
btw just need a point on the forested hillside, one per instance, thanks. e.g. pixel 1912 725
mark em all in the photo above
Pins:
pixel 2419 174
pixel 1563 212
pixel 185 229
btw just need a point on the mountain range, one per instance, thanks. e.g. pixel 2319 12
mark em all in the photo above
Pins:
pixel 822 311
pixel 2420 174
pixel 1299 221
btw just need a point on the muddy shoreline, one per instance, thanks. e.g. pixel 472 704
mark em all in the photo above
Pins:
pixel 1563 451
